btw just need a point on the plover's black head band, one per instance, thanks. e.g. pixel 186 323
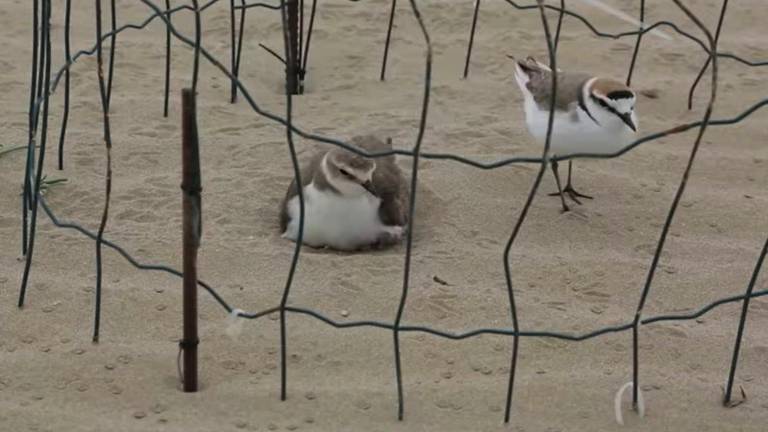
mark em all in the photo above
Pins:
pixel 625 117
pixel 620 94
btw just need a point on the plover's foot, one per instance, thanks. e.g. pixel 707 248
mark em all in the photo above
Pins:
pixel 572 194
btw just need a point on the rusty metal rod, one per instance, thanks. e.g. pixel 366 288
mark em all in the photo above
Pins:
pixel 191 188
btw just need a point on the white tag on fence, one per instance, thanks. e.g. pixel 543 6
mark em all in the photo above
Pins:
pixel 617 403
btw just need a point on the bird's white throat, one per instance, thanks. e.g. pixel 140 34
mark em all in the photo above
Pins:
pixel 339 221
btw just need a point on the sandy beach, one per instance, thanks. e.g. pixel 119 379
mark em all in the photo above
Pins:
pixel 573 272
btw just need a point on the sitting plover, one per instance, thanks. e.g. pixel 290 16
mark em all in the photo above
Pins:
pixel 350 202
pixel 592 115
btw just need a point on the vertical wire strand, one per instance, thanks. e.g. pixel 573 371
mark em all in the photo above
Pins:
pixel 105 91
pixel 742 323
pixel 293 45
pixel 471 43
pixel 387 42
pixel 26 194
pixel 68 57
pixel 167 57
pixel 673 207
pixel 305 57
pixel 46 74
pixel 232 49
pixel 297 178
pixel 42 60
pixel 299 53
pixel 198 43
pixel 524 212
pixel 113 43
pixel 639 39
pixel 236 71
pixel 41 76
pixel 709 59
pixel 412 207
pixel 560 16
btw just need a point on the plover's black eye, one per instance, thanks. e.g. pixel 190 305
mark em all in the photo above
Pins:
pixel 345 173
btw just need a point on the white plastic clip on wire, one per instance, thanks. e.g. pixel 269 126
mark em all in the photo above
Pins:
pixel 234 324
pixel 617 403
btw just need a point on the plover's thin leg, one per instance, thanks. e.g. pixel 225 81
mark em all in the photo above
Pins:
pixel 569 188
pixel 560 189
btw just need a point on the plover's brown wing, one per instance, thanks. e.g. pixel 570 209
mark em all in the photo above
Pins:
pixel 307 172
pixel 569 85
pixel 373 144
pixel 389 183
pixel 393 189
pixel 568 90
pixel 539 79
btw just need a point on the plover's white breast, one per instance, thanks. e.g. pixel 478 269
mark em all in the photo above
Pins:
pixel 575 132
pixel 334 220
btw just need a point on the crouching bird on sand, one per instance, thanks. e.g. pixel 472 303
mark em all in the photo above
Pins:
pixel 351 202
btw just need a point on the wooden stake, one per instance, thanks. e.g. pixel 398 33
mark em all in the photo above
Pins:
pixel 192 217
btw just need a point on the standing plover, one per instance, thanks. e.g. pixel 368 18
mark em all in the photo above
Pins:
pixel 350 202
pixel 592 114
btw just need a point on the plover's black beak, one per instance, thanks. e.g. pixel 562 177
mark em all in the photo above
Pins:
pixel 627 119
pixel 367 185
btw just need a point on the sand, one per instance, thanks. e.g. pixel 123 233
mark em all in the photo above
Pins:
pixel 573 272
